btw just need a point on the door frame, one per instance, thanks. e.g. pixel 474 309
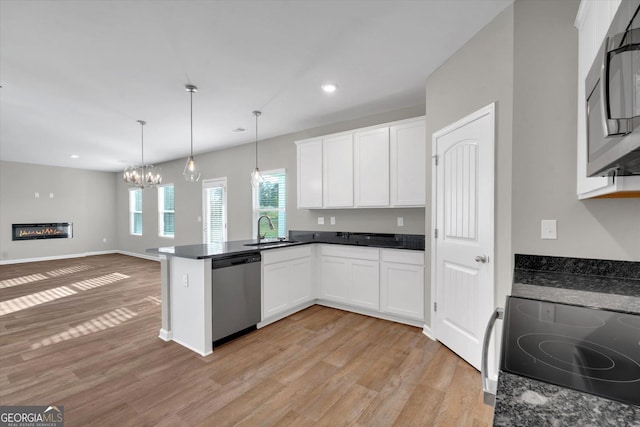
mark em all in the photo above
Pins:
pixel 210 183
pixel 487 110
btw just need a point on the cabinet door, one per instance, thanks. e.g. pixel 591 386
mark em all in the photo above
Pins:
pixel 276 284
pixel 371 167
pixel 301 280
pixel 364 289
pixel 334 278
pixel 408 164
pixel 402 289
pixel 310 174
pixel 337 168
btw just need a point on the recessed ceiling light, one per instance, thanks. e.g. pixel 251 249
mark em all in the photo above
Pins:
pixel 329 87
pixel 239 130
pixel 74 156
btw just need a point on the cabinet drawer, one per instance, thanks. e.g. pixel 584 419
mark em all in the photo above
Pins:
pixel 272 256
pixel 403 256
pixel 372 254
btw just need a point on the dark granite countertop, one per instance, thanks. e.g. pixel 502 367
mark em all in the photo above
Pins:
pixel 612 285
pixel 602 284
pixel 238 247
pixel 525 402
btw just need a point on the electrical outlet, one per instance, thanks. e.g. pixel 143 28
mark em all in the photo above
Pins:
pixel 320 220
pixel 400 221
pixel 37 195
pixel 199 218
pixel 104 240
pixel 333 220
pixel 51 195
pixel 185 280
pixel 549 229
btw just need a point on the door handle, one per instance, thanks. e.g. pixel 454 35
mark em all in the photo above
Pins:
pixel 482 258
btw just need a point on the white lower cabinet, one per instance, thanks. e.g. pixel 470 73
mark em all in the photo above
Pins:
pixel 387 283
pixel 287 279
pixel 350 276
pixel 402 283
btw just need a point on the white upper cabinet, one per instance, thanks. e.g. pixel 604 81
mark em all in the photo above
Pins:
pixel 593 21
pixel 309 173
pixel 371 167
pixel 408 159
pixel 377 166
pixel 337 168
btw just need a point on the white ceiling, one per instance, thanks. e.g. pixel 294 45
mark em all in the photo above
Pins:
pixel 76 75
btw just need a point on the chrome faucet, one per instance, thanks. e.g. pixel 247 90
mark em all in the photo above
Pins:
pixel 270 227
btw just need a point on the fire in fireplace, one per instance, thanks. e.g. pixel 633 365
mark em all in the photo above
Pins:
pixel 49 230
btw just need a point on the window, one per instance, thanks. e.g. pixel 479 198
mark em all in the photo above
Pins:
pixel 135 211
pixel 166 211
pixel 271 199
pixel 214 206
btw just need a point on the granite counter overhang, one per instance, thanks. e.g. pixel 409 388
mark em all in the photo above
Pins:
pixel 239 247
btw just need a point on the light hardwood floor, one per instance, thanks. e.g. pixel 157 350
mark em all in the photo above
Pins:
pixel 83 333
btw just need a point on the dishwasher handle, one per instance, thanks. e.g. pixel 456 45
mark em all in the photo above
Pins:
pixel 488 387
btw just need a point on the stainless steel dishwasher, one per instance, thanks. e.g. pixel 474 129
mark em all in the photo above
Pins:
pixel 236 295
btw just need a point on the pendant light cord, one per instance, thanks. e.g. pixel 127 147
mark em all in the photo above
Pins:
pixel 191 92
pixel 257 114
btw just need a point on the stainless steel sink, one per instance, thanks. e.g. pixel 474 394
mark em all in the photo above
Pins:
pixel 269 243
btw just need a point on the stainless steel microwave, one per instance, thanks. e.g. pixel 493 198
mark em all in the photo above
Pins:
pixel 613 98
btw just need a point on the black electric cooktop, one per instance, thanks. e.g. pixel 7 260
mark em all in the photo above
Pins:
pixel 586 349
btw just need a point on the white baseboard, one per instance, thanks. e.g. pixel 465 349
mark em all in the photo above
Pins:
pixel 54 257
pixel 426 330
pixel 139 255
pixel 371 313
pixel 165 335
pixel 82 255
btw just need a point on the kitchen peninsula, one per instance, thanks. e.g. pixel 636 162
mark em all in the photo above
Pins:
pixel 352 271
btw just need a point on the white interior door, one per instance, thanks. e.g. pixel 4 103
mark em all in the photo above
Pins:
pixel 463 215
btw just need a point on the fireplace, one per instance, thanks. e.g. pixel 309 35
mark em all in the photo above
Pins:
pixel 48 230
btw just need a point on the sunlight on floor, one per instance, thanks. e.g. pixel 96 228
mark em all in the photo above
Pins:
pixel 69 270
pixel 97 324
pixel 99 281
pixel 49 295
pixel 7 283
pixel 32 300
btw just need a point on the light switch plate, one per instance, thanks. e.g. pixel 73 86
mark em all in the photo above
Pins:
pixel 549 229
pixel 320 220
pixel 333 220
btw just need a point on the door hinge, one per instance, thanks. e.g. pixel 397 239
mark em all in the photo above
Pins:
pixel 435 159
pixel 435 306
pixel 435 233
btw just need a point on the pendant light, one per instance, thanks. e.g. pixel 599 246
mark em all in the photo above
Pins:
pixel 191 171
pixel 142 176
pixel 256 177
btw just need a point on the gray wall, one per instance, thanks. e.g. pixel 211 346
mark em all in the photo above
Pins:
pixel 86 198
pixel 480 73
pixel 544 149
pixel 236 164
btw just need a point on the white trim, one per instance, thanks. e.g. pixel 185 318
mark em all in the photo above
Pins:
pixel 81 255
pixel 165 335
pixel 214 183
pixel 488 110
pixel 195 350
pixel 426 330
pixel 55 257
pixel 370 313
pixel 139 255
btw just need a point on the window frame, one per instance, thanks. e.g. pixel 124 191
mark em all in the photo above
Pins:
pixel 257 210
pixel 132 211
pixel 162 212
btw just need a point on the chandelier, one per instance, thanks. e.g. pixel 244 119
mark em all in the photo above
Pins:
pixel 142 175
